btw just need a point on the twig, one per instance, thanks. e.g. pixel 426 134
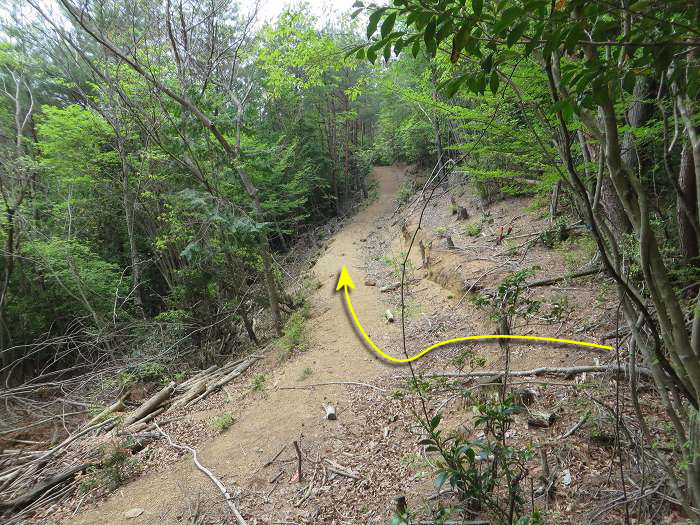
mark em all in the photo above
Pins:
pixel 208 473
pixel 296 446
pixel 570 371
pixel 340 470
pixel 575 427
pixel 355 383
pixel 276 456
pixel 554 280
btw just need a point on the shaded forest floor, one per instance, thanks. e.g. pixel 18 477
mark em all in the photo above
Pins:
pixel 353 468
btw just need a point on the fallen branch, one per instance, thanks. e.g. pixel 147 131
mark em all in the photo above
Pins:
pixel 151 405
pixel 208 473
pixel 276 456
pixel 575 427
pixel 555 280
pixel 296 446
pixel 194 391
pixel 565 371
pixel 242 367
pixel 116 407
pixel 70 439
pixel 29 497
pixel 355 383
pixel 340 470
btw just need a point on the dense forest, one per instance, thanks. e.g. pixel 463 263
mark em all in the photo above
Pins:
pixel 163 163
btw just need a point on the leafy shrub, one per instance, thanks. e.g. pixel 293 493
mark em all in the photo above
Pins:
pixel 116 466
pixel 258 382
pixel 404 194
pixel 479 471
pixel 472 230
pixel 223 422
pixel 396 265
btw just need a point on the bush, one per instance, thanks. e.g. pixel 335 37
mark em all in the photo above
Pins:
pixel 472 230
pixel 480 471
pixel 258 382
pixel 223 422
pixel 404 194
pixel 116 466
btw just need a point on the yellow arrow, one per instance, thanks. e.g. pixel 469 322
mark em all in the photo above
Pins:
pixel 345 281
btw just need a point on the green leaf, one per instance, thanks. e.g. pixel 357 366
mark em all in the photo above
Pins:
pixel 516 33
pixel 507 18
pixel 445 28
pixel 358 3
pixel 577 33
pixel 494 81
pixel 373 21
pixel 416 48
pixel 387 52
pixel 487 63
pixel 388 24
pixel 478 6
pixel 371 55
pixel 435 421
pixel 453 86
pixel 360 54
pixel 628 82
pixel 441 479
pixel 534 42
pixel 429 36
pixel 356 12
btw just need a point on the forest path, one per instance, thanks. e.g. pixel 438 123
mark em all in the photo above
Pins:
pixel 268 421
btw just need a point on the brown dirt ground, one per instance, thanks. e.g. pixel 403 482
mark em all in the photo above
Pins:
pixel 375 435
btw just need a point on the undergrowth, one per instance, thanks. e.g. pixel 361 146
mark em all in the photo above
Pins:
pixel 116 466
pixel 223 422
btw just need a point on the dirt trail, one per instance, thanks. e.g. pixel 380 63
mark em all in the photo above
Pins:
pixel 278 416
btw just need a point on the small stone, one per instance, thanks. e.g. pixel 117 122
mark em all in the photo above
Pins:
pixel 566 477
pixel 363 240
pixel 133 513
pixel 370 282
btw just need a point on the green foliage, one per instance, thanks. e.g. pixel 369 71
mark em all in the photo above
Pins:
pixel 577 250
pixel 486 474
pixel 223 422
pixel 405 192
pixel 293 337
pixel 305 374
pixel 146 372
pixel 116 466
pixel 257 384
pixel 60 281
pixel 472 230
pixel 75 145
pixel 396 264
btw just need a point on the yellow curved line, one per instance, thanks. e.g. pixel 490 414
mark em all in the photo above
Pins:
pixel 471 337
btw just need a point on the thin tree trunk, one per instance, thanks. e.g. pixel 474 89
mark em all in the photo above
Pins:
pixel 128 207
pixel 686 234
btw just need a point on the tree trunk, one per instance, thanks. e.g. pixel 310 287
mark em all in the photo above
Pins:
pixel 686 234
pixel 128 206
